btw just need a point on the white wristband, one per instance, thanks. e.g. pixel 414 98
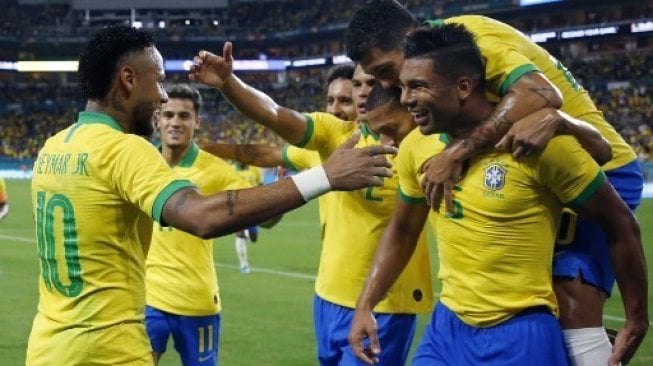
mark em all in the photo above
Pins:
pixel 312 183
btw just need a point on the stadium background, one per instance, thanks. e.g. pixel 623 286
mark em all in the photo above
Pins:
pixel 283 48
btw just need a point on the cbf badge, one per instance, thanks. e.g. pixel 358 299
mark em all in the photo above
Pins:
pixel 495 177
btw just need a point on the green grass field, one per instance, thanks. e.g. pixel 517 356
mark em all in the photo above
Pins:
pixel 267 315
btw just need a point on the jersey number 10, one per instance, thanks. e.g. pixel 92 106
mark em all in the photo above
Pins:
pixel 45 236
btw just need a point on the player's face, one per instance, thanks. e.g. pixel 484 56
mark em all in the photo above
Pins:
pixel 384 65
pixel 148 91
pixel 339 100
pixel 392 122
pixel 177 122
pixel 430 98
pixel 361 84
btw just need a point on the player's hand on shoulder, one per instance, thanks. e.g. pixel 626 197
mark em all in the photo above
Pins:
pixel 531 134
pixel 350 168
pixel 211 69
pixel 441 173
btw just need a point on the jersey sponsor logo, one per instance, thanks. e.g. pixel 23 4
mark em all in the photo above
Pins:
pixel 495 177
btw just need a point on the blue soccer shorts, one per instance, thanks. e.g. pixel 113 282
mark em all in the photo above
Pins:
pixel 196 338
pixel 333 322
pixel 586 253
pixel 532 337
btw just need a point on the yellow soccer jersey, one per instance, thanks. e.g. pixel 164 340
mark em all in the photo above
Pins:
pixel 509 54
pixel 95 192
pixel 355 222
pixel 250 174
pixel 300 159
pixel 414 151
pixel 496 249
pixel 180 277
pixel 3 191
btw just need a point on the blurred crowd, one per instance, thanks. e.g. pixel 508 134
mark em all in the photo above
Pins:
pixel 31 110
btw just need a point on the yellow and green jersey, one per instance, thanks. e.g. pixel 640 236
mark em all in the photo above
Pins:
pixel 496 249
pixel 251 174
pixel 3 191
pixel 180 273
pixel 414 151
pixel 355 222
pixel 509 55
pixel 95 194
pixel 301 159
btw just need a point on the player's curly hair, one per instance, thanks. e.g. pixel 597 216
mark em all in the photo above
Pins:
pixel 451 47
pixel 379 24
pixel 98 61
pixel 344 71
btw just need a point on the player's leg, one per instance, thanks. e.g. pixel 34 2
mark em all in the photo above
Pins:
pixel 241 251
pixel 252 233
pixel 396 333
pixel 158 331
pixel 197 339
pixel 325 318
pixel 583 277
pixel 532 337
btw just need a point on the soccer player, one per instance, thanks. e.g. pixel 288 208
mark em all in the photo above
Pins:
pixel 254 177
pixel 97 187
pixel 497 304
pixel 523 78
pixel 182 295
pixel 4 200
pixel 355 221
pixel 339 101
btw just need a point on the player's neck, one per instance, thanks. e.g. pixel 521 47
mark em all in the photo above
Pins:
pixel 119 116
pixel 173 155
pixel 476 111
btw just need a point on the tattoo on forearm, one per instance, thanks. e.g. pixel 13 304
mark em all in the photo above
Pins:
pixel 230 202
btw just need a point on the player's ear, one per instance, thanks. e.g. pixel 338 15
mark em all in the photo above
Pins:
pixel 126 78
pixel 198 122
pixel 465 87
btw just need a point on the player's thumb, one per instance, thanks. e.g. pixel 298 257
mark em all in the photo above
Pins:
pixel 227 51
pixel 352 140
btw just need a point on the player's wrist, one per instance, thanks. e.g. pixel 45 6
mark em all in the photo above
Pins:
pixel 312 183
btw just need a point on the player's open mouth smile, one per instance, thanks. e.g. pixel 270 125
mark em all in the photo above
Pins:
pixel 360 108
pixel 420 117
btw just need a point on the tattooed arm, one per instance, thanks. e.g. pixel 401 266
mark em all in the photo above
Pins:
pixel 529 94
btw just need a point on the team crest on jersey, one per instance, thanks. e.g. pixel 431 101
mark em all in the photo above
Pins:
pixel 495 177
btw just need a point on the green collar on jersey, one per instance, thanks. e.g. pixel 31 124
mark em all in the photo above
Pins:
pixel 434 22
pixel 190 156
pixel 365 131
pixel 87 117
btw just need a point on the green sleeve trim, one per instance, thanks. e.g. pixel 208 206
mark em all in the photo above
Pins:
pixel 286 159
pixel 310 126
pixel 411 200
pixel 444 138
pixel 71 132
pixel 164 195
pixel 589 191
pixel 514 76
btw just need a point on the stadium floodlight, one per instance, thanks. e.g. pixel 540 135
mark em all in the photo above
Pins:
pixel 137 24
pixel 46 66
pixel 340 59
pixel 638 27
pixel 542 36
pixel 162 24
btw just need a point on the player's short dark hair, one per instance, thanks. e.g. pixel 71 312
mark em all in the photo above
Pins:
pixel 452 49
pixel 380 96
pixel 185 91
pixel 344 71
pixel 379 24
pixel 98 61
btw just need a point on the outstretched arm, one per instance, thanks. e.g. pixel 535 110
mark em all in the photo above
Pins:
pixel 629 265
pixel 217 71
pixel 392 255
pixel 348 168
pixel 258 155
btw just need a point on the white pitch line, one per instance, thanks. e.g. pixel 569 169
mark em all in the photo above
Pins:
pixel 275 272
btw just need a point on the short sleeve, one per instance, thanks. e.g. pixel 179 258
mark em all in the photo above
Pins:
pixel 569 171
pixel 504 65
pixel 325 132
pixel 140 174
pixel 298 159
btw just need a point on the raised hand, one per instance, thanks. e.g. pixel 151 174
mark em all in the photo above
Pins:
pixel 350 168
pixel 211 69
